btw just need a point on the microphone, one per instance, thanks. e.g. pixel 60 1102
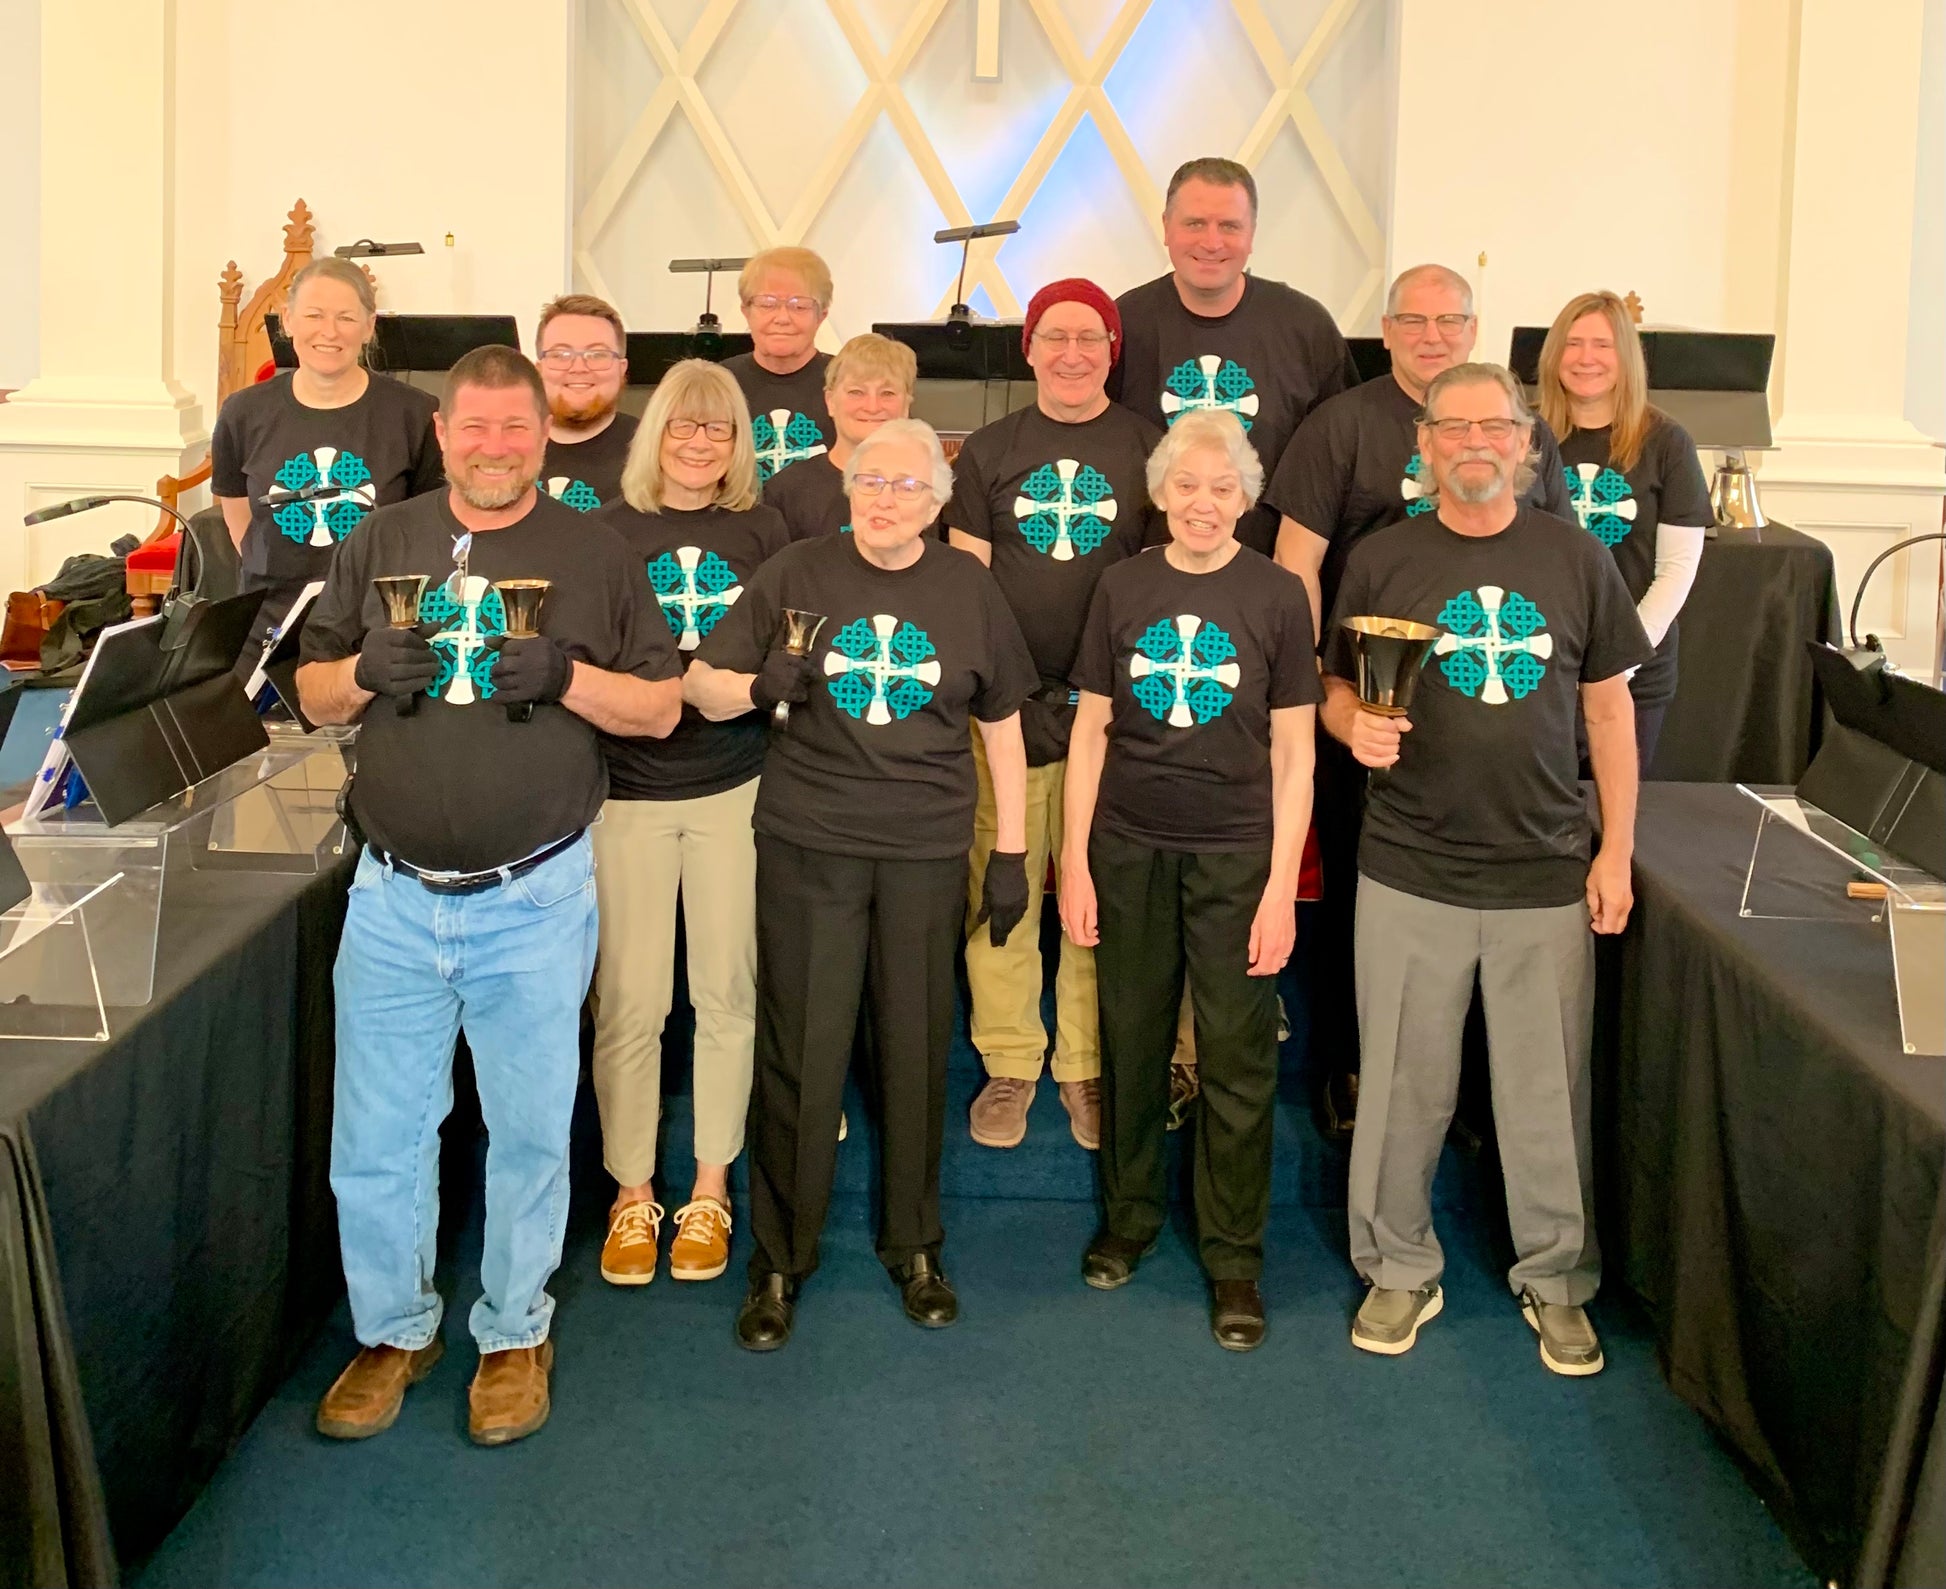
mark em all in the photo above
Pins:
pixel 60 510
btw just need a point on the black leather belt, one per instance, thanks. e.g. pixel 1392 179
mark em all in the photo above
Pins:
pixel 473 882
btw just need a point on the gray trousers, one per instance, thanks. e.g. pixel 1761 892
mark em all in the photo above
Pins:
pixel 1416 961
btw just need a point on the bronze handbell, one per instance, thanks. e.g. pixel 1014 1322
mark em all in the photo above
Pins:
pixel 1390 653
pixel 520 608
pixel 800 634
pixel 400 594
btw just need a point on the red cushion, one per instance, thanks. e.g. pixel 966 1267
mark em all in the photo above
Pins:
pixel 158 557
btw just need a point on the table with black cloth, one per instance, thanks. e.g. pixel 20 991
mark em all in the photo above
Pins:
pixel 167 1238
pixel 1769 1173
pixel 1745 710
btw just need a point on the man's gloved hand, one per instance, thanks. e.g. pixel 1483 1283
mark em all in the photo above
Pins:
pixel 531 670
pixel 1003 898
pixel 395 662
pixel 784 676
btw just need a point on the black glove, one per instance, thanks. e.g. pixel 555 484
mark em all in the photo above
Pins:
pixel 395 662
pixel 783 677
pixel 531 670
pixel 1003 898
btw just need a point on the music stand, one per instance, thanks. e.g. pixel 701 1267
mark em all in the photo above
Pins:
pixel 148 723
pixel 1371 357
pixel 971 372
pixel 651 354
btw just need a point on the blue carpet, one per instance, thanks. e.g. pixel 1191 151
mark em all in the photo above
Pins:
pixel 1056 1436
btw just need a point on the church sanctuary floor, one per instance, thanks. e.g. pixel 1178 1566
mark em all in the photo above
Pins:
pixel 1057 1435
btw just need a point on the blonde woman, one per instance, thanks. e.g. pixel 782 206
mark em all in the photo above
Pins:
pixel 869 381
pixel 1633 478
pixel 677 815
pixel 350 440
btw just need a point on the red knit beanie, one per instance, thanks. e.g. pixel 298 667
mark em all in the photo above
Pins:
pixel 1075 289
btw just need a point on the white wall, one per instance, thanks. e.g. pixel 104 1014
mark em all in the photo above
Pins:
pixel 1925 375
pixel 425 119
pixel 1581 146
pixel 20 190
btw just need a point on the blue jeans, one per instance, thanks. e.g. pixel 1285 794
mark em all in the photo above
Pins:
pixel 512 965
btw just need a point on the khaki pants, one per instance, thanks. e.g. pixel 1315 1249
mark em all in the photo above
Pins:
pixel 645 851
pixel 1006 982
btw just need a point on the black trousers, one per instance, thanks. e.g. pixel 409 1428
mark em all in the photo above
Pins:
pixel 1338 812
pixel 834 933
pixel 1162 914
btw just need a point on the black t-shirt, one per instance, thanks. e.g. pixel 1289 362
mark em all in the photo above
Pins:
pixel 456 786
pixel 1270 360
pixel 811 496
pixel 878 761
pixel 1621 509
pixel 1353 467
pixel 788 417
pixel 1193 665
pixel 378 450
pixel 1059 503
pixel 584 475
pixel 1483 808
pixel 699 561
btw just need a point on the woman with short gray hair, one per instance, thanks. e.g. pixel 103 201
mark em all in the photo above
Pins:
pixel 864 818
pixel 1188 798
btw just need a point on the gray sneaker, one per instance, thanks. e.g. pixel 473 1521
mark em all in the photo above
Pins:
pixel 999 1115
pixel 1388 1321
pixel 1569 1344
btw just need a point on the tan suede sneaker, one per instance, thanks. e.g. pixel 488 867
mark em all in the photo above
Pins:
pixel 701 1250
pixel 1082 1100
pixel 365 1399
pixel 628 1255
pixel 508 1400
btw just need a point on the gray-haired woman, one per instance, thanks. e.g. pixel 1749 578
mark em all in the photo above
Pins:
pixel 1189 794
pixel 348 440
pixel 864 818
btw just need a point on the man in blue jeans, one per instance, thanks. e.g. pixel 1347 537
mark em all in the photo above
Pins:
pixel 474 902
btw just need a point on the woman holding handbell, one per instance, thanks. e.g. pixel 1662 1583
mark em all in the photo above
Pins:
pixel 863 819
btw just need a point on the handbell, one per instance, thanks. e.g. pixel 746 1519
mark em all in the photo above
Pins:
pixel 1390 652
pixel 401 594
pixel 520 605
pixel 1733 494
pixel 800 634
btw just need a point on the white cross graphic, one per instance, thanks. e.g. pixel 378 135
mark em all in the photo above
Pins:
pixel 881 669
pixel 1492 647
pixel 1173 403
pixel 690 602
pixel 1585 505
pixel 780 451
pixel 1065 510
pixel 466 639
pixel 320 534
pixel 1184 671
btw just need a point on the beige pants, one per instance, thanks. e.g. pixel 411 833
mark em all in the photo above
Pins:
pixel 645 851
pixel 1006 982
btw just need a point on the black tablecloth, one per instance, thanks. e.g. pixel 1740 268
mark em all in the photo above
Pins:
pixel 1771 1176
pixel 182 1185
pixel 1744 710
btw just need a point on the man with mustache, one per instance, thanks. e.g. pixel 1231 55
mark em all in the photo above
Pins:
pixel 582 350
pixel 474 902
pixel 1475 861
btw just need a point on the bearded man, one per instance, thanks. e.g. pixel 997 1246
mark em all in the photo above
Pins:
pixel 582 350
pixel 474 902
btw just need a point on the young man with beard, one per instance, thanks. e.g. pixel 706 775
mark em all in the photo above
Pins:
pixel 474 902
pixel 582 350
pixel 1478 860
pixel 1207 335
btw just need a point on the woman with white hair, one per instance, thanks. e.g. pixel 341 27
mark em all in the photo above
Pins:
pixel 864 819
pixel 677 820
pixel 1187 801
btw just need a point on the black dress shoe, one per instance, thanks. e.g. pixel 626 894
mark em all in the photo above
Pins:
pixel 764 1321
pixel 1110 1260
pixel 926 1293
pixel 1236 1315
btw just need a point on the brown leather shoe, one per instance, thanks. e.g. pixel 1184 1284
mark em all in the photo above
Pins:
pixel 365 1399
pixel 507 1400
pixel 628 1255
pixel 1082 1100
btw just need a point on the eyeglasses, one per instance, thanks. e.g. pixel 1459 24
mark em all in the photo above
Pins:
pixel 715 429
pixel 1061 341
pixel 1460 429
pixel 770 303
pixel 905 487
pixel 1414 325
pixel 597 359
